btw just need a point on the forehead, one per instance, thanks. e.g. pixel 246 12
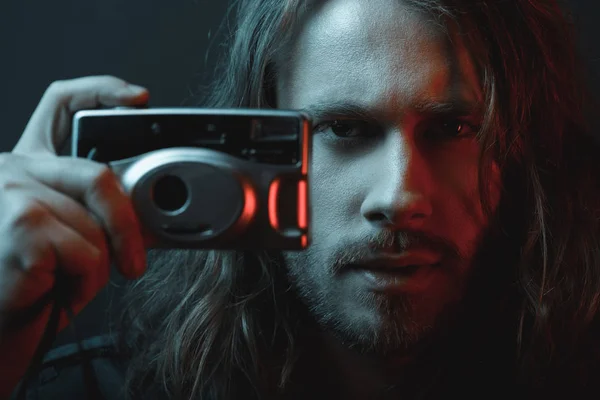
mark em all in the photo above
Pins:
pixel 380 54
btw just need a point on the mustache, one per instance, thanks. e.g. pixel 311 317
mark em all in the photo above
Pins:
pixel 354 251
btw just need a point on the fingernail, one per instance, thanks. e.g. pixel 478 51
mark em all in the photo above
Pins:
pixel 133 264
pixel 131 91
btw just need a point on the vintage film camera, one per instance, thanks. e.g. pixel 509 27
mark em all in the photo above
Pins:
pixel 207 178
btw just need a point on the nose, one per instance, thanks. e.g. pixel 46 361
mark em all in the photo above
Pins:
pixel 399 197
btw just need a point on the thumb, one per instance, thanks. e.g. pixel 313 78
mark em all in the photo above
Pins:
pixel 50 123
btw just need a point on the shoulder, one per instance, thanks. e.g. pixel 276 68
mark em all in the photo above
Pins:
pixel 61 375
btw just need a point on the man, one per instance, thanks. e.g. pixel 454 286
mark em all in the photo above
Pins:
pixel 455 216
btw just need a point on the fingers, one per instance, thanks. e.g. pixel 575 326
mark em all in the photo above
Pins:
pixel 40 242
pixel 61 214
pixel 50 124
pixel 89 183
pixel 87 197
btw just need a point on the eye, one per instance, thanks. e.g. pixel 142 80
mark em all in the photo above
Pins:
pixel 346 129
pixel 450 128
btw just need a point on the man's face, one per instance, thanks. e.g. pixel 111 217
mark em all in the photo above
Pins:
pixel 396 215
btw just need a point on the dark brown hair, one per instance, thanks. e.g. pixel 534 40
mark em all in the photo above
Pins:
pixel 221 324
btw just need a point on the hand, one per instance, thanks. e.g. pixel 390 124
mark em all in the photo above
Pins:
pixel 61 213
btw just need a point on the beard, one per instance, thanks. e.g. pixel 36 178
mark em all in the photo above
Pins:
pixel 368 321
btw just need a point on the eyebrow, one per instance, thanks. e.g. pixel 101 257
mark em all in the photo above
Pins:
pixel 457 107
pixel 323 110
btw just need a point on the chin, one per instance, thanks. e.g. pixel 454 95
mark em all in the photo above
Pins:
pixel 384 326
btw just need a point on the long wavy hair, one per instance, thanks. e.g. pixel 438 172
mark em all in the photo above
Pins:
pixel 224 324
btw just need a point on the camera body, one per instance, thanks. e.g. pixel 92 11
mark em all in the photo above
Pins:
pixel 207 178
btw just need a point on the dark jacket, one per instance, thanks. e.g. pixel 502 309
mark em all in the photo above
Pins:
pixel 61 373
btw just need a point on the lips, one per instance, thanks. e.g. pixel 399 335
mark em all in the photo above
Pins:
pixel 405 262
pixel 412 271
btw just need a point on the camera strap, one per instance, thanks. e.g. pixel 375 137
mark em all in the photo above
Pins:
pixel 57 296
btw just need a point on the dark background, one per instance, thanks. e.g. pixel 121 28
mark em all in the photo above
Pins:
pixel 168 46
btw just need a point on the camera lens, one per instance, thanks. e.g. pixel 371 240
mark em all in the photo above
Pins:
pixel 170 193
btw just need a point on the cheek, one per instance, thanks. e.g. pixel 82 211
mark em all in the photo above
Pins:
pixel 458 195
pixel 333 191
pixel 457 175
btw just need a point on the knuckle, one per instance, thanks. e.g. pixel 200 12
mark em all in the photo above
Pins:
pixel 55 87
pixel 9 183
pixel 104 180
pixel 9 177
pixel 105 188
pixel 7 160
pixel 56 92
pixel 37 256
pixel 29 215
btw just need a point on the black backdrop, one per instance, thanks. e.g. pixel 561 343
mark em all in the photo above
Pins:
pixel 168 46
